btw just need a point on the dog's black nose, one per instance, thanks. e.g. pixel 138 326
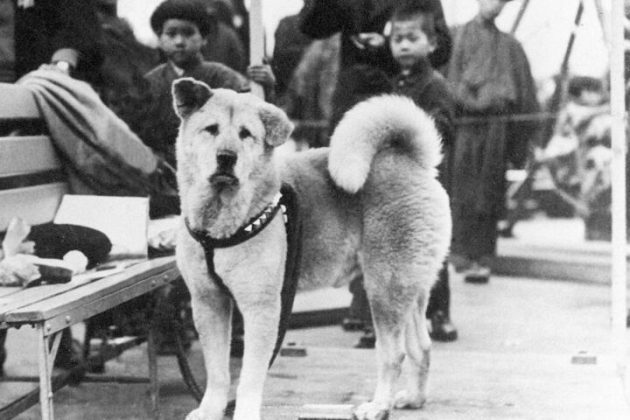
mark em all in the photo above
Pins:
pixel 226 159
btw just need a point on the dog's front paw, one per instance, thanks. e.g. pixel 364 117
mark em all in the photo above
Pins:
pixel 194 415
pixel 246 416
pixel 372 411
pixel 197 414
pixel 405 399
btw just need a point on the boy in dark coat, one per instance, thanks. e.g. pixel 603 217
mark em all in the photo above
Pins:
pixel 182 27
pixel 413 39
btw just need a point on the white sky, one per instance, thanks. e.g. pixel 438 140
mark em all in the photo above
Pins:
pixel 544 31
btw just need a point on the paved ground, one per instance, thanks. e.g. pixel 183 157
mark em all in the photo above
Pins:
pixel 513 360
pixel 554 249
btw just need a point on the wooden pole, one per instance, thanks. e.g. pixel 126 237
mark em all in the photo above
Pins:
pixel 618 110
pixel 519 17
pixel 603 21
pixel 256 41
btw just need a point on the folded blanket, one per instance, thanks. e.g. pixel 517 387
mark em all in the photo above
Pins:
pixel 101 154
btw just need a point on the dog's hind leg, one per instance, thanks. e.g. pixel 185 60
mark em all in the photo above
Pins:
pixel 388 312
pixel 212 312
pixel 418 344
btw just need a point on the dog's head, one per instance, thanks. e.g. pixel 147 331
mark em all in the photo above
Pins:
pixel 226 139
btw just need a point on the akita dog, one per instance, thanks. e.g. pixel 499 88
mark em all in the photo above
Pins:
pixel 370 202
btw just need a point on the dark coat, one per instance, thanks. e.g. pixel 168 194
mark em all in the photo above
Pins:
pixel 289 47
pixel 490 77
pixel 51 25
pixel 224 46
pixel 309 95
pixel 429 90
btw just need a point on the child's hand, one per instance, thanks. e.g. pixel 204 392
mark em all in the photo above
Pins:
pixel 368 40
pixel 262 74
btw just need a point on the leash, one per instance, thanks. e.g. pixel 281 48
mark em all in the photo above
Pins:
pixel 285 200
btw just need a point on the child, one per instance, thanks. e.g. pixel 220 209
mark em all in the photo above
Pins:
pixel 413 38
pixel 181 27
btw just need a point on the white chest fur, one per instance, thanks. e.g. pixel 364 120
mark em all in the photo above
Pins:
pixel 256 266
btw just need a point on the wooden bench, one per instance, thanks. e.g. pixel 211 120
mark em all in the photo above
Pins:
pixel 32 185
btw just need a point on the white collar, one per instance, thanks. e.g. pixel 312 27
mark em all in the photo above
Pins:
pixel 178 70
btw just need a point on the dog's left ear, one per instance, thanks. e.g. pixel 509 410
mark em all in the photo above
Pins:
pixel 278 127
pixel 189 95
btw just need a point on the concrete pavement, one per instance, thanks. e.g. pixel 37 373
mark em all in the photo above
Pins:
pixel 554 249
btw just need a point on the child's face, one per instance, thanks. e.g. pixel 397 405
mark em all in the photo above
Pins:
pixel 409 43
pixel 490 9
pixel 181 41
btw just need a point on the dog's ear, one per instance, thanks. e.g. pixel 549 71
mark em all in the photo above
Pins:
pixel 189 95
pixel 278 127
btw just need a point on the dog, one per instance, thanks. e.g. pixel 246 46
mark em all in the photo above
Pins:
pixel 370 202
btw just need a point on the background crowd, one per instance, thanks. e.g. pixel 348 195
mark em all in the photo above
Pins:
pixel 474 79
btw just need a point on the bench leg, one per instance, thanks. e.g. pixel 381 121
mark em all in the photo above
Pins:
pixel 153 374
pixel 47 353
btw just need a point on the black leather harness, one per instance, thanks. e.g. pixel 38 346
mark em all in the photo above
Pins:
pixel 286 201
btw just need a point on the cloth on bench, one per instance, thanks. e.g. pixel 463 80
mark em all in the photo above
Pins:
pixel 101 154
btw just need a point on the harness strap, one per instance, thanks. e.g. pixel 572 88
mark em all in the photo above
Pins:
pixel 253 227
pixel 287 201
pixel 293 226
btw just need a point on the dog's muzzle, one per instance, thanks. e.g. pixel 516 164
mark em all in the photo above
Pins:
pixel 224 175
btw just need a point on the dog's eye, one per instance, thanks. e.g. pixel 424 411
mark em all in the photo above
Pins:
pixel 213 129
pixel 244 133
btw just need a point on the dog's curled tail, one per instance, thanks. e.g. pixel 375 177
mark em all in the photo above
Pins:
pixel 387 121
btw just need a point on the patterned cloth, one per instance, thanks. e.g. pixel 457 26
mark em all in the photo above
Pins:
pixel 101 154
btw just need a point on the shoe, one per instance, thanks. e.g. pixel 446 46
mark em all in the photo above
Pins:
pixel 477 274
pixel 69 358
pixel 367 340
pixel 442 329
pixel 352 324
pixel 460 263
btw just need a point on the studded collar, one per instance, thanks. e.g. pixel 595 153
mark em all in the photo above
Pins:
pixel 250 229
